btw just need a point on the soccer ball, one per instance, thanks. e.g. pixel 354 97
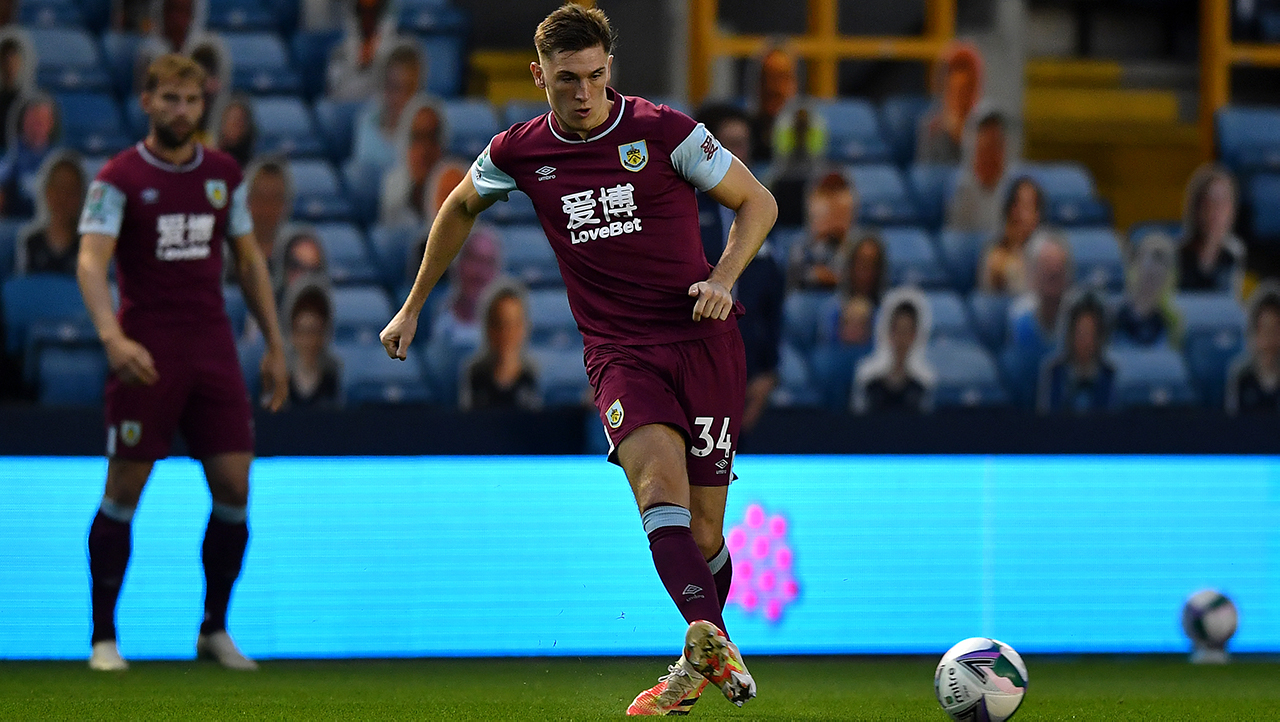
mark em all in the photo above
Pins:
pixel 980 680
pixel 1209 619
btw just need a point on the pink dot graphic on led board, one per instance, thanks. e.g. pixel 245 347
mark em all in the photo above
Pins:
pixel 763 564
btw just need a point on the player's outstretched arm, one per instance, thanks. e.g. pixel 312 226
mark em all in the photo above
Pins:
pixel 255 282
pixel 755 211
pixel 449 231
pixel 127 358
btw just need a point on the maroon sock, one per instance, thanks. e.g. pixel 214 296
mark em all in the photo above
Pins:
pixel 223 554
pixel 684 572
pixel 110 542
pixel 722 571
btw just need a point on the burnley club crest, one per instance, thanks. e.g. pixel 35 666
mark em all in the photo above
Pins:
pixel 634 156
pixel 216 191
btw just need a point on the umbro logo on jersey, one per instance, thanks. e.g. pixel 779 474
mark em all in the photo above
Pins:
pixel 546 172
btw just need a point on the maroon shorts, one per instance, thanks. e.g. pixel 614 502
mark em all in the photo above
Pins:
pixel 201 392
pixel 696 386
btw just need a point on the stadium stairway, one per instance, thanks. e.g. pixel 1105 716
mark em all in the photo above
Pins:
pixel 1132 125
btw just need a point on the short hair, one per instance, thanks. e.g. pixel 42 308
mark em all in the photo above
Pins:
pixel 716 115
pixel 173 66
pixel 10 45
pixel 572 28
pixel 908 307
pixel 1088 304
pixel 403 54
pixel 270 166
pixel 1268 299
pixel 993 119
pixel 1011 196
pixel 314 299
pixel 832 183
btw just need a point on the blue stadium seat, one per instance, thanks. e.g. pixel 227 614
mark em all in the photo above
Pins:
pixel 1069 194
pixel 517 209
pixel 1096 254
pixel 832 371
pixel 990 312
pixel 96 14
pixel 551 323
pixel 853 132
pixel 900 118
pixel 311 49
pixel 336 119
pixel 285 127
pixel 121 50
pixel 360 313
pixel 795 382
pixel 44 333
pixel 27 299
pixel 92 123
pixel 364 182
pixel 518 111
pixel 1213 335
pixel 1249 138
pixel 50 14
pixel 318 195
pixel 369 377
pixel 240 16
pixel 431 17
pixel 932 186
pixel 72 375
pixel 92 164
pixel 445 64
pixel 961 253
pixel 800 317
pixel 1139 230
pixel 347 253
pixel 562 377
pixel 391 250
pixel 967 376
pixel 68 60
pixel 9 228
pixel 911 258
pixel 527 255
pixel 1262 193
pixel 950 318
pixel 137 124
pixel 883 194
pixel 237 309
pixel 260 64
pixel 1151 378
pixel 471 125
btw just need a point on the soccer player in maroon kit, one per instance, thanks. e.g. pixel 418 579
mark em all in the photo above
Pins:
pixel 612 179
pixel 163 209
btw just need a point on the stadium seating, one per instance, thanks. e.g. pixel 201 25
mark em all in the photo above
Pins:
pixel 430 16
pixel 853 132
pixel 1069 194
pixel 795 385
pixel 365 184
pixel 310 50
pixel 562 377
pixel 1140 230
pixel 1096 255
pixel 359 314
pixel 950 318
pixel 9 228
pixel 800 318
pixel 551 323
pixel 260 64
pixel 911 259
pixel 92 123
pixel 932 186
pixel 967 375
pixel 55 332
pixel 900 119
pixel 336 121
pixel 347 253
pixel 517 209
pixel 444 64
pixel 72 375
pixel 50 14
pixel 240 15
pixel 1249 138
pixel 1151 378
pixel 318 194
pixel 961 252
pixel 1213 336
pixel 527 255
pixel 121 49
pixel 390 246
pixel 285 127
pixel 518 111
pixel 237 309
pixel 27 299
pixel 470 125
pixel 369 377
pixel 68 60
pixel 1262 192
pixel 883 195
pixel 832 368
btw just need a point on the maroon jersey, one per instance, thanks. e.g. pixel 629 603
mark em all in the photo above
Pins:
pixel 169 223
pixel 620 212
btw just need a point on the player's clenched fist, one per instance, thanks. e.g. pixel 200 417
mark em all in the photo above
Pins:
pixel 131 362
pixel 398 334
pixel 714 300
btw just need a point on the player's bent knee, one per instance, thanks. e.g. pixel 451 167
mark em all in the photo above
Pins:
pixel 125 481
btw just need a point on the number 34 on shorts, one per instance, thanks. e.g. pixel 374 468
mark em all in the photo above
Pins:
pixel 705 444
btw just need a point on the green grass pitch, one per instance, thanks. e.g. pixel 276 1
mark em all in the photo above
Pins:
pixel 791 688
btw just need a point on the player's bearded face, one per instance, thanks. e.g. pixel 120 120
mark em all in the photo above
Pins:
pixel 175 109
pixel 575 84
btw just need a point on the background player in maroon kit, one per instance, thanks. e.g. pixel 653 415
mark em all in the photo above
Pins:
pixel 612 179
pixel 163 209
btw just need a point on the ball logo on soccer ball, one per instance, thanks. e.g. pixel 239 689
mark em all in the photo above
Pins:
pixel 980 680
pixel 1209 619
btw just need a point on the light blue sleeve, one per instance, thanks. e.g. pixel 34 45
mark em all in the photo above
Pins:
pixel 103 210
pixel 488 179
pixel 701 160
pixel 239 222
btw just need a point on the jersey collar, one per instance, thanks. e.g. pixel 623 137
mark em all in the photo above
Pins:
pixel 600 131
pixel 151 158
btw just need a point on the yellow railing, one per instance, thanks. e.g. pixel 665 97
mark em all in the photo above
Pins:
pixel 1217 55
pixel 822 45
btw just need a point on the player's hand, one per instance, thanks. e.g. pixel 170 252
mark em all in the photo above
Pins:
pixel 398 334
pixel 131 362
pixel 714 300
pixel 275 379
